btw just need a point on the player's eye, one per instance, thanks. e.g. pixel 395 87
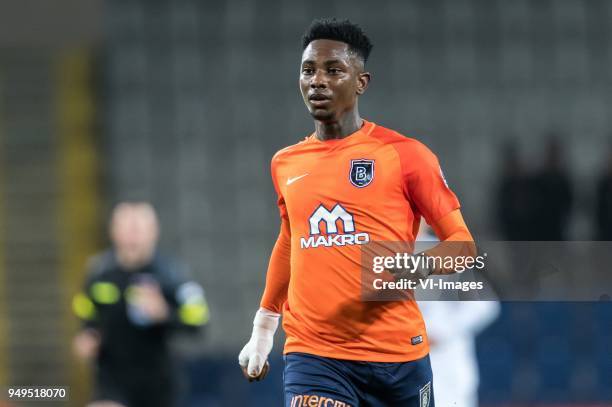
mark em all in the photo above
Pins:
pixel 307 71
pixel 334 71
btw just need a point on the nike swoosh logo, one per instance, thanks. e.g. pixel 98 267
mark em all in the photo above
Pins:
pixel 292 180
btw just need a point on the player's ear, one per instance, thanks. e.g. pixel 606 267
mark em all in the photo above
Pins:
pixel 363 80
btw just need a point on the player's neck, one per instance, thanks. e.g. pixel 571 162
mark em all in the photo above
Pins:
pixel 335 130
pixel 130 261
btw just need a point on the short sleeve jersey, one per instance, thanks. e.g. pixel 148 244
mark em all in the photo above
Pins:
pixel 373 185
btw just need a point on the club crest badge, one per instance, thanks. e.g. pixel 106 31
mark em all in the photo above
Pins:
pixel 362 172
pixel 425 395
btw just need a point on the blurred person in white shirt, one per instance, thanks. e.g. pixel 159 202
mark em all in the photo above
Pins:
pixel 452 328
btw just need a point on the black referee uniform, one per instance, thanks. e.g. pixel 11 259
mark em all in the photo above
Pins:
pixel 134 365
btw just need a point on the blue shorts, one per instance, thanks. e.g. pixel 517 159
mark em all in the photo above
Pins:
pixel 311 380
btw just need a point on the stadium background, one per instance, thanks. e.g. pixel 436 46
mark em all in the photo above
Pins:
pixel 184 102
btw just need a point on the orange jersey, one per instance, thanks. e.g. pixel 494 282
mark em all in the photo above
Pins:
pixel 373 185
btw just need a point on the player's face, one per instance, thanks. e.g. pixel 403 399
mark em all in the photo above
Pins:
pixel 134 232
pixel 331 78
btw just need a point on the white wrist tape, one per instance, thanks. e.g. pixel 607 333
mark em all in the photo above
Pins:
pixel 265 322
pixel 255 353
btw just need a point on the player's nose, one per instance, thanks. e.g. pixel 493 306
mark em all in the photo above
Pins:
pixel 318 80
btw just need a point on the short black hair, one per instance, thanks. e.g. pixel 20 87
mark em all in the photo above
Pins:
pixel 339 30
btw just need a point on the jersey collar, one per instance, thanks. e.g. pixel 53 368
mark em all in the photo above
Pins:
pixel 364 131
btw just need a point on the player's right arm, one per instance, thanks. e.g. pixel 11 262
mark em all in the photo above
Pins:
pixel 277 277
pixel 253 357
pixel 87 341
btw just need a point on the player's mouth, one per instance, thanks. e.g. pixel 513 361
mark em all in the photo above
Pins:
pixel 318 99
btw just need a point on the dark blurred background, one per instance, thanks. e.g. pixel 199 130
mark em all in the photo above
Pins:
pixel 184 102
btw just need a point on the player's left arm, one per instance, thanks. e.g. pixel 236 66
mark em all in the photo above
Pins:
pixel 189 305
pixel 191 312
pixel 455 239
pixel 432 198
pixel 185 298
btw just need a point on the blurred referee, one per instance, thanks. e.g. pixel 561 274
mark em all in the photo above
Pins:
pixel 132 300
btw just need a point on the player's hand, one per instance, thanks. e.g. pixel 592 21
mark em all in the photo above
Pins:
pixel 86 344
pixel 260 376
pixel 253 358
pixel 151 302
